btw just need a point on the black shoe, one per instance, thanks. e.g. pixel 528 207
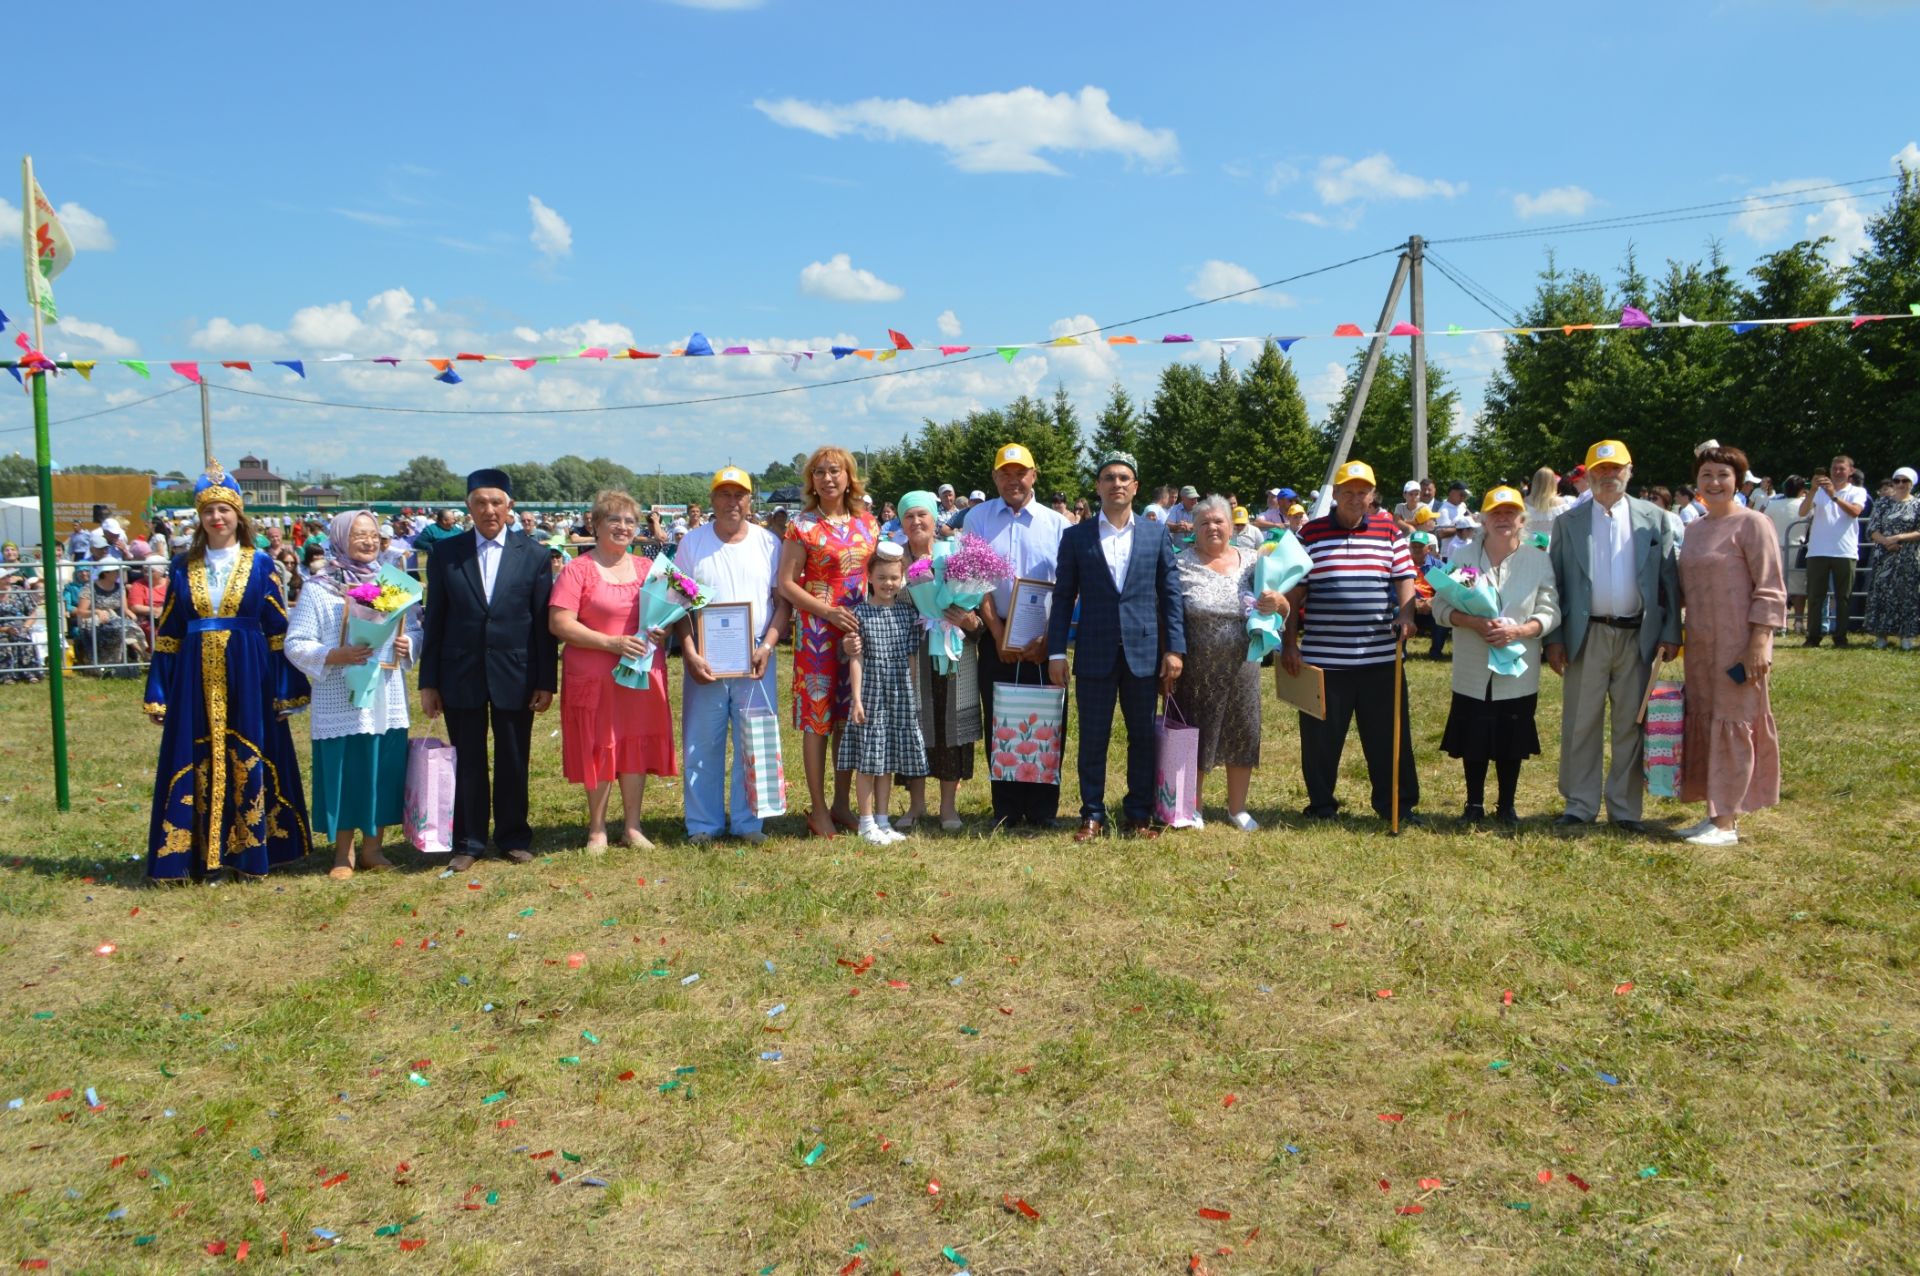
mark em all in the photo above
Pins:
pixel 1566 821
pixel 1508 816
pixel 1633 828
pixel 1408 819
pixel 1473 814
pixel 1839 640
pixel 1322 812
pixel 1813 640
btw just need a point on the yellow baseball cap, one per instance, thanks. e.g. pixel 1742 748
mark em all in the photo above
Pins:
pixel 1295 509
pixel 1608 452
pixel 1354 472
pixel 1239 516
pixel 731 474
pixel 1013 454
pixel 1502 496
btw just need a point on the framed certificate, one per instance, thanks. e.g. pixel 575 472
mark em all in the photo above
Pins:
pixel 1027 611
pixel 726 638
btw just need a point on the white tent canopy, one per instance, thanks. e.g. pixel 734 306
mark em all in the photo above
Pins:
pixel 20 522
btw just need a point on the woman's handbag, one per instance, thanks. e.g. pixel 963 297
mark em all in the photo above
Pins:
pixel 1176 786
pixel 429 800
pixel 1664 713
pixel 1028 732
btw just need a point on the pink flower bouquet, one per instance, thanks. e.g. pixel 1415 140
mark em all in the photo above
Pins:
pixel 954 576
pixel 666 596
pixel 375 612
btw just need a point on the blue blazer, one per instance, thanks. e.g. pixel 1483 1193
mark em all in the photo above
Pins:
pixel 1145 619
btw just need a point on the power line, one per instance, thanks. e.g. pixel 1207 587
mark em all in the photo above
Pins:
pixel 1471 292
pixel 802 386
pixel 87 416
pixel 1755 203
pixel 1500 303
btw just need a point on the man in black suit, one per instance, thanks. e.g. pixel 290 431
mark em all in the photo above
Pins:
pixel 488 656
pixel 1132 632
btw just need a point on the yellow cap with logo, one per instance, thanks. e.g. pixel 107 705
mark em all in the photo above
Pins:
pixel 1239 516
pixel 1013 454
pixel 1354 472
pixel 1608 452
pixel 1502 496
pixel 731 474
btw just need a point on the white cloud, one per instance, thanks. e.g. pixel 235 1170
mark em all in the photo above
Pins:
pixel 228 337
pixel 1345 219
pixel 949 323
pixel 1908 157
pixel 989 132
pixel 551 234
pixel 1217 278
pixel 1322 390
pixel 1559 201
pixel 1282 176
pixel 387 220
pixel 105 339
pixel 1768 216
pixel 1340 180
pixel 1093 359
pixel 88 230
pixel 837 279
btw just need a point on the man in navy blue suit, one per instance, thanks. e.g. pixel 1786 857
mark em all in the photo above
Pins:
pixel 1131 640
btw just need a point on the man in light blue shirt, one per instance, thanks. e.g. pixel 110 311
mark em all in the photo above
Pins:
pixel 1026 534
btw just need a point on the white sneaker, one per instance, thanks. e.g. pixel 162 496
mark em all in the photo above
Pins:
pixel 1245 823
pixel 878 836
pixel 1715 837
pixel 894 836
pixel 1694 830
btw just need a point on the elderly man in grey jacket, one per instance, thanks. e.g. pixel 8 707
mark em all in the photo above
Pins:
pixel 1616 560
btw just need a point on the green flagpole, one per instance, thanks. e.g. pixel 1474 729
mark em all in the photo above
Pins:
pixel 50 582
pixel 43 458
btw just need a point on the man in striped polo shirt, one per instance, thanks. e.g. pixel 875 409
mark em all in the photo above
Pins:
pixel 1349 615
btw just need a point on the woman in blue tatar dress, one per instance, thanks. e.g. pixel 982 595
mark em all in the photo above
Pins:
pixel 227 792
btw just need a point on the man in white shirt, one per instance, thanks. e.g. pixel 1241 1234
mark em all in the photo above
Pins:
pixel 735 561
pixel 1026 534
pixel 944 515
pixel 1616 560
pixel 1447 516
pixel 1835 502
pixel 1409 506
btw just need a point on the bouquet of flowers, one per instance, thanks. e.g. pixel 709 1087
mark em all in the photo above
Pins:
pixel 1281 564
pixel 953 576
pixel 1468 589
pixel 665 597
pixel 375 612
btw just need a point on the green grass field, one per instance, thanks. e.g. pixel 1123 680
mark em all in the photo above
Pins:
pixel 1181 1055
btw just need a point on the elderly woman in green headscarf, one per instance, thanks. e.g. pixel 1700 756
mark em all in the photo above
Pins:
pixel 949 702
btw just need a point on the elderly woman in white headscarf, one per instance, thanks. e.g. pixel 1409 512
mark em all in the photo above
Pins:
pixel 359 755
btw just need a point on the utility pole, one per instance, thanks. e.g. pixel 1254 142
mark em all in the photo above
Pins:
pixel 1416 295
pixel 206 426
pixel 49 542
pixel 1411 267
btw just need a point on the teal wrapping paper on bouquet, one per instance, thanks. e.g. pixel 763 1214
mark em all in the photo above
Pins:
pixel 666 598
pixel 1473 593
pixel 368 625
pixel 1282 563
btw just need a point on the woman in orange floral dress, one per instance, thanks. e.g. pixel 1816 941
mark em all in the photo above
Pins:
pixel 823 573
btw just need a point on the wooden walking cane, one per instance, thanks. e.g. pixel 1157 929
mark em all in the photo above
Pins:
pixel 1399 654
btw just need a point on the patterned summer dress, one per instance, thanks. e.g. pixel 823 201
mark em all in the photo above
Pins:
pixel 889 743
pixel 1219 689
pixel 835 571
pixel 1893 607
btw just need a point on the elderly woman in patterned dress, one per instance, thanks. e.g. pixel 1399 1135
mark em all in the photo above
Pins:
pixel 1219 690
pixel 359 755
pixel 823 573
pixel 949 702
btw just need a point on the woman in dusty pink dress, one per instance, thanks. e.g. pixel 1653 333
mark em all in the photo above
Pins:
pixel 1735 596
pixel 608 731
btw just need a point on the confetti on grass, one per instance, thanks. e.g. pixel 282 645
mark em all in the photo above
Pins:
pixel 819 1150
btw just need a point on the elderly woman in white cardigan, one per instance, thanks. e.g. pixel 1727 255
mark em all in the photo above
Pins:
pixel 1492 719
pixel 359 755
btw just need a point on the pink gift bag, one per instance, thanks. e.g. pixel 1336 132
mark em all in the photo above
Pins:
pixel 429 801
pixel 1176 788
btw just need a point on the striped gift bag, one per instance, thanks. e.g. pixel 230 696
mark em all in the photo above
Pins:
pixel 766 771
pixel 1666 719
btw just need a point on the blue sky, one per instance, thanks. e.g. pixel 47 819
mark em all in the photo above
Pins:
pixel 284 182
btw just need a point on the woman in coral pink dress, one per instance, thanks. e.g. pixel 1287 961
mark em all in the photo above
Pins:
pixel 607 731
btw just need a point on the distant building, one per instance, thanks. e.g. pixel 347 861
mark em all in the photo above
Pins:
pixel 319 496
pixel 260 485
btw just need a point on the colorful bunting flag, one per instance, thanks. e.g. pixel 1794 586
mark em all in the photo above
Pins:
pixel 391 361
pixel 736 350
pixel 3 321
pixel 449 376
pixel 1285 343
pixel 1741 329
pixel 955 349
pixel 698 344
pixel 1348 330
pixel 442 365
pixel 640 354
pixel 48 250
pixel 865 354
pixel 471 358
pixel 840 352
pixel 191 371
pixel 1797 327
pixel 899 340
pixel 15 371
pixel 1404 330
pixel 1175 338
pixel 524 364
pixel 1064 341
pixel 238 365
pixel 884 355
pixel 139 366
pixel 599 352
pixel 1686 322
pixel 85 368
pixel 1123 340
pixel 1453 330
pixel 1634 317
pixel 298 368
pixel 1007 352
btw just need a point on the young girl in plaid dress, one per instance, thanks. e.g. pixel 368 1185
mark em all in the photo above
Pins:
pixel 882 738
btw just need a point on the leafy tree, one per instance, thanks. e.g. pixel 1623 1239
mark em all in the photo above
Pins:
pixel 1885 279
pixel 1269 439
pixel 1384 437
pixel 1116 430
pixel 1181 428
pixel 532 481
pixel 427 478
pixel 19 476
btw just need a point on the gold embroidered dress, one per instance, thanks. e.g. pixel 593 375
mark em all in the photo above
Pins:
pixel 227 792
